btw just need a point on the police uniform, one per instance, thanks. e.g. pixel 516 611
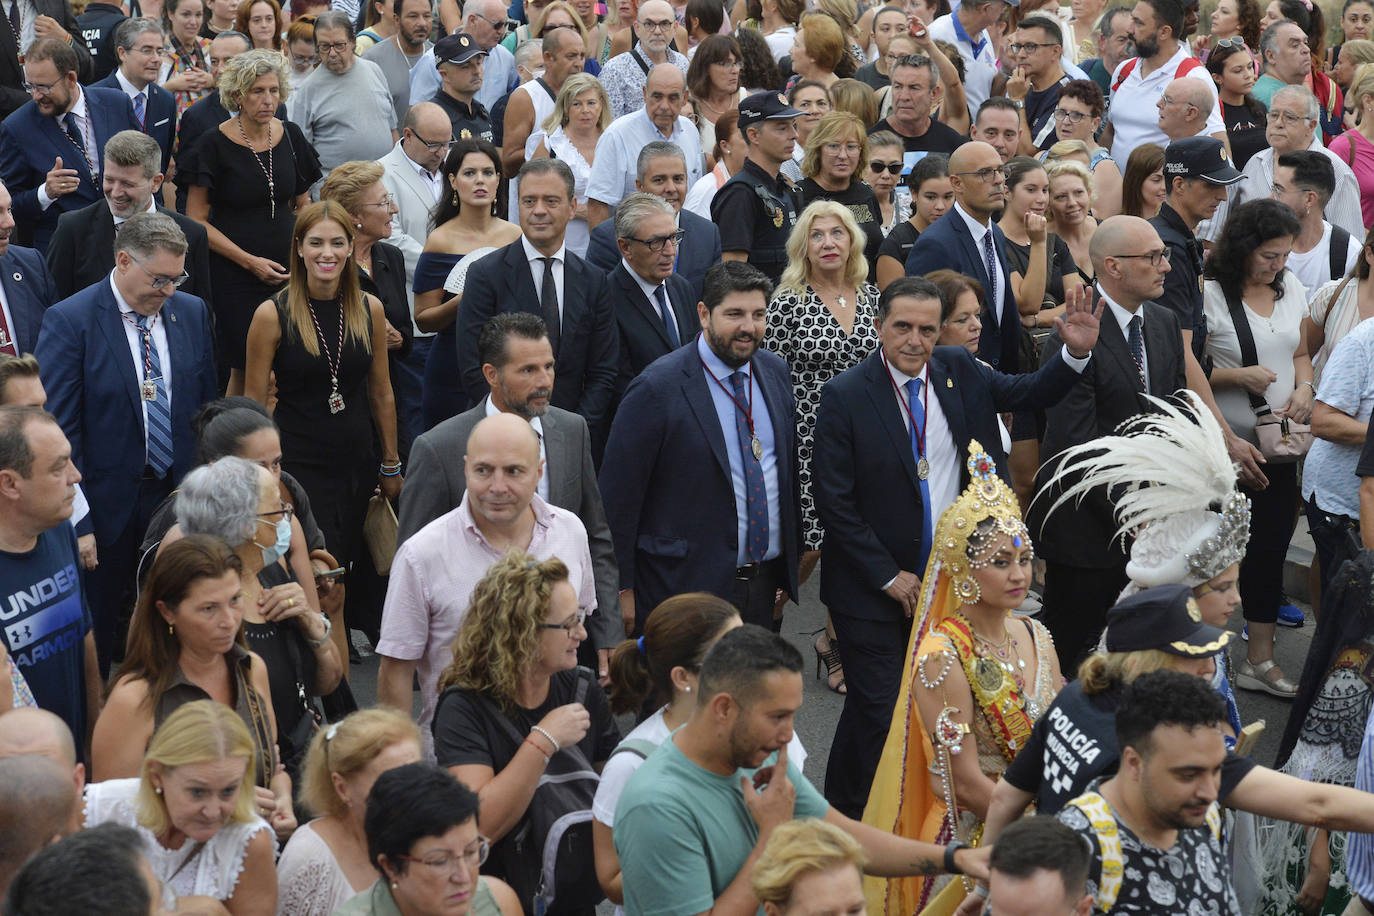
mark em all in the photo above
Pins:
pixel 756 211
pixel 1194 157
pixel 470 121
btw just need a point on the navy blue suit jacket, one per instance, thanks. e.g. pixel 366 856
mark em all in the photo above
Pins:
pixel 159 118
pixel 643 336
pixel 29 290
pixel 29 144
pixel 863 472
pixel 698 253
pixel 666 481
pixel 947 243
pixel 88 371
pixel 588 352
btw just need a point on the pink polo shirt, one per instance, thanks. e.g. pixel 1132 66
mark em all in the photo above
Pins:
pixel 433 577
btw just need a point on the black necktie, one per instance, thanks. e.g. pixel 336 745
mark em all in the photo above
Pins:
pixel 16 24
pixel 669 316
pixel 548 304
pixel 74 134
pixel 1137 344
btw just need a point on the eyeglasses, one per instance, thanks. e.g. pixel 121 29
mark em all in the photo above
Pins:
pixel 1030 47
pixel 573 623
pixel 892 168
pixel 1069 117
pixel 1166 99
pixel 1233 42
pixel 728 64
pixel 148 50
pixel 1288 118
pixel 160 282
pixel 987 174
pixel 435 146
pixel 333 46
pixel 271 518
pixel 446 863
pixel 836 147
pixel 658 25
pixel 1154 256
pixel 389 201
pixel 39 88
pixel 499 25
pixel 657 243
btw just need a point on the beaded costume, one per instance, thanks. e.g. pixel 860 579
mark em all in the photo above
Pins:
pixel 1008 697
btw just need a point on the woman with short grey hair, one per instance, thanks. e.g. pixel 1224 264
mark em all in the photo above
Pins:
pixel 240 503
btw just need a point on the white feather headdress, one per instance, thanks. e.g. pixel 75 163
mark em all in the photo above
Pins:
pixel 1174 488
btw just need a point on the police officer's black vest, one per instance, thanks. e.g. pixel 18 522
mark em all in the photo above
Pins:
pixel 772 229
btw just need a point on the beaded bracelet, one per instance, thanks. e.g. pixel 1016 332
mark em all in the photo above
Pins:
pixel 556 746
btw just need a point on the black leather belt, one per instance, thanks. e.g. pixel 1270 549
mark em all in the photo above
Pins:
pixel 752 570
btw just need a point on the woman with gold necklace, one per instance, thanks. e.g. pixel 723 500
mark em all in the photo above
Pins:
pixel 977 680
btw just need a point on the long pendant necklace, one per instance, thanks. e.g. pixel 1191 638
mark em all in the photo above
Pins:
pixel 1005 654
pixel 268 169
pixel 336 401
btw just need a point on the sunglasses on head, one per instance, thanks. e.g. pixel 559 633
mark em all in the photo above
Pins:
pixel 1233 42
pixel 892 168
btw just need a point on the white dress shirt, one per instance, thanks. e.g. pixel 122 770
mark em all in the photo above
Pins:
pixel 648 290
pixel 432 180
pixel 83 126
pixel 536 262
pixel 940 448
pixel 135 340
pixel 978 230
pixel 538 428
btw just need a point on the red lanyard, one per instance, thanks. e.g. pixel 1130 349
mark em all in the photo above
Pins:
pixel 919 430
pixel 147 334
pixel 747 410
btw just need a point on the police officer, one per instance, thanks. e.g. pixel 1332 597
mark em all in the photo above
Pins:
pixel 459 59
pixel 1198 172
pixel 97 24
pixel 757 208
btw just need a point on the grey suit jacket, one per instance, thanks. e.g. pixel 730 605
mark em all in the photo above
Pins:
pixel 435 485
pixel 410 224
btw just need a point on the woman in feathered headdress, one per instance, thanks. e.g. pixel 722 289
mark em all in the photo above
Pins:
pixel 967 652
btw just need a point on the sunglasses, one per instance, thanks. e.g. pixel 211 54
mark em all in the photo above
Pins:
pixel 892 168
pixel 1233 42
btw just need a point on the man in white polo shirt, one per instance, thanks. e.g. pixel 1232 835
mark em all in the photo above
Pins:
pixel 1133 117
pixel 967 29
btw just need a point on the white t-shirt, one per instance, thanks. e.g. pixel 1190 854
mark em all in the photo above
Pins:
pixel 1134 110
pixel 1313 268
pixel 780 42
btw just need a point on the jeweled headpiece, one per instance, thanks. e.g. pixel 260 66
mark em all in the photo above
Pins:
pixel 1174 488
pixel 986 497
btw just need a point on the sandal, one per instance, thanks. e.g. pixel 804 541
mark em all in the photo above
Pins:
pixel 1250 676
pixel 830 657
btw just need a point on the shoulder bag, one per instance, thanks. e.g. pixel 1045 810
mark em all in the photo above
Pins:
pixel 1281 440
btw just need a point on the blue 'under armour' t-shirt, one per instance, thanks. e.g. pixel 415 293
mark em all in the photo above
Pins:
pixel 44 621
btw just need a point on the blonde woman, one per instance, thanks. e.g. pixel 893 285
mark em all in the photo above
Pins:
pixel 1071 195
pixel 193 808
pixel 515 707
pixel 834 165
pixel 821 323
pixel 326 862
pixel 805 861
pixel 581 113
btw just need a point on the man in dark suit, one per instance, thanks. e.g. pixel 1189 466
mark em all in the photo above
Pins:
pixel 26 288
pixel 51 148
pixel 654 307
pixel 967 239
pixel 55 20
pixel 892 437
pixel 82 249
pixel 113 358
pixel 538 274
pixel 1140 352
pixel 517 363
pixel 138 45
pixel 662 171
pixel 700 475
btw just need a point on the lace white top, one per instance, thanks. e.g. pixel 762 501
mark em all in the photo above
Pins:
pixel 309 880
pixel 215 871
pixel 557 143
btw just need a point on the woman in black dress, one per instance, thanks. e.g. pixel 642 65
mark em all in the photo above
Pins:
pixel 326 341
pixel 247 180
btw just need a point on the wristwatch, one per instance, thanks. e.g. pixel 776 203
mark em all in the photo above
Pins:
pixel 328 628
pixel 950 850
pixel 1019 103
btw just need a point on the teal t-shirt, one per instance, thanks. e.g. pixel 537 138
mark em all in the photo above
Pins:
pixel 683 833
pixel 1265 87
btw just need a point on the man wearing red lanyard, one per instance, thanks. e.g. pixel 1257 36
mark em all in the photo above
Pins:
pixel 700 475
pixel 892 438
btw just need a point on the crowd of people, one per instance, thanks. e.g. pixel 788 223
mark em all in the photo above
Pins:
pixel 575 339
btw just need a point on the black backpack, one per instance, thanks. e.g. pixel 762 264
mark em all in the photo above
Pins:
pixel 550 864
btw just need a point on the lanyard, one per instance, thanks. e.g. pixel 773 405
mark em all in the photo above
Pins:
pixel 747 410
pixel 147 334
pixel 918 430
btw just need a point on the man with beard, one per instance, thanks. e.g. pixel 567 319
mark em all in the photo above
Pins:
pixel 700 474
pixel 403 52
pixel 1133 116
pixel 1154 828
pixel 693 820
pixel 436 569
pixel 517 362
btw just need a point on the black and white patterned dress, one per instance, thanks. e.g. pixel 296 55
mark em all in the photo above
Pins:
pixel 816 349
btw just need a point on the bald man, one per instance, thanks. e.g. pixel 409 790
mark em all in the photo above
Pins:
pixel 1184 107
pixel 617 152
pixel 30 731
pixel 1139 352
pixel 436 569
pixel 37 807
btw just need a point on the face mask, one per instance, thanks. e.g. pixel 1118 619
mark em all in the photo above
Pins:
pixel 278 550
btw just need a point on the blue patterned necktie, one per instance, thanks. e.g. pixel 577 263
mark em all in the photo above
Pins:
pixel 918 434
pixel 755 495
pixel 669 319
pixel 159 408
pixel 141 110
pixel 990 263
pixel 1138 350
